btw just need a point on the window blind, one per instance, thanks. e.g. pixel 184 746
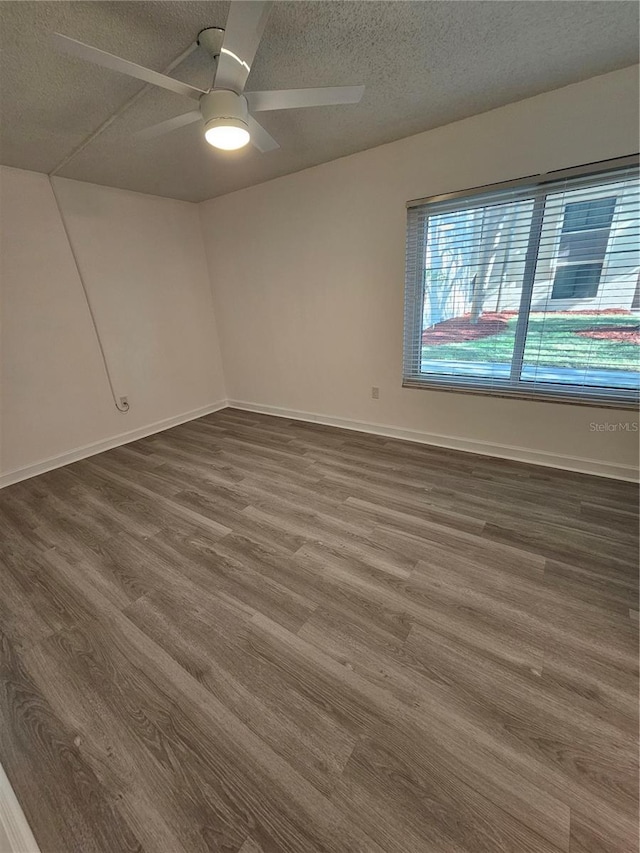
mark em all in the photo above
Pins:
pixel 528 288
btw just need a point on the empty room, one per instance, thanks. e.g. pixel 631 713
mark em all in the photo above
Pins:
pixel 319 380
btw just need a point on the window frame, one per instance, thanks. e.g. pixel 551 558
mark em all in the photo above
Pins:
pixel 415 293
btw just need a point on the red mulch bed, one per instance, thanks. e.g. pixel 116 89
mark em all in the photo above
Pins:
pixel 596 313
pixel 459 329
pixel 623 334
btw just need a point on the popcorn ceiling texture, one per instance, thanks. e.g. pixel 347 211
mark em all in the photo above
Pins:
pixel 424 64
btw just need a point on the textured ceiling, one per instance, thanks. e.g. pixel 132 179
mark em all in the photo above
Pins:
pixel 424 64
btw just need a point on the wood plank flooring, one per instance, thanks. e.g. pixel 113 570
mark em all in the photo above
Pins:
pixel 259 635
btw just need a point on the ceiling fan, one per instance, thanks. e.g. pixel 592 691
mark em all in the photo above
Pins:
pixel 226 109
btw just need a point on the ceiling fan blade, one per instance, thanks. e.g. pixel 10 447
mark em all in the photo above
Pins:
pixel 262 140
pixel 245 24
pixel 289 99
pixel 168 125
pixel 123 66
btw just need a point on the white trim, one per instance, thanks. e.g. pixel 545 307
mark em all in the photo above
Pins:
pixel 18 474
pixel 13 823
pixel 467 445
pixel 485 448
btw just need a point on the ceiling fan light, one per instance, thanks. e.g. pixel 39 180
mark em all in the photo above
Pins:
pixel 229 134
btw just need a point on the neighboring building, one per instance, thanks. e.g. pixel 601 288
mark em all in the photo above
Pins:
pixel 588 257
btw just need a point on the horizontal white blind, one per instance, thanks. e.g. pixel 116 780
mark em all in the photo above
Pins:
pixel 532 288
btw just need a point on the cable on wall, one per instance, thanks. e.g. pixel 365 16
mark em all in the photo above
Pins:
pixel 120 403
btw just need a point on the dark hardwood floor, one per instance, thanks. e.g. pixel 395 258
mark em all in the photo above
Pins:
pixel 252 634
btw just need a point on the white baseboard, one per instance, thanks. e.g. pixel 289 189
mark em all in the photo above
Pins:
pixel 15 832
pixel 485 448
pixel 18 474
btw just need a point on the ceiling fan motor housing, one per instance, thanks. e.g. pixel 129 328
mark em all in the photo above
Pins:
pixel 223 107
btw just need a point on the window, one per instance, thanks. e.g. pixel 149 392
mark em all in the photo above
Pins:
pixel 530 288
pixel 585 235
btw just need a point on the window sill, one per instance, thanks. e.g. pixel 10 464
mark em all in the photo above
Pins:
pixel 538 396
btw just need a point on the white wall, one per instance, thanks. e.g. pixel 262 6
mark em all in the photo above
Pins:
pixel 307 275
pixel 145 269
pixel 307 272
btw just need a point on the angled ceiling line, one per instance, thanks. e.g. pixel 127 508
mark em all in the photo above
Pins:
pixel 121 109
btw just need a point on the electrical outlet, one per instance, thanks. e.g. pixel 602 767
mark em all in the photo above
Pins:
pixel 375 393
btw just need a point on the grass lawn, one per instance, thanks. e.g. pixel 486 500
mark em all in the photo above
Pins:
pixel 557 347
